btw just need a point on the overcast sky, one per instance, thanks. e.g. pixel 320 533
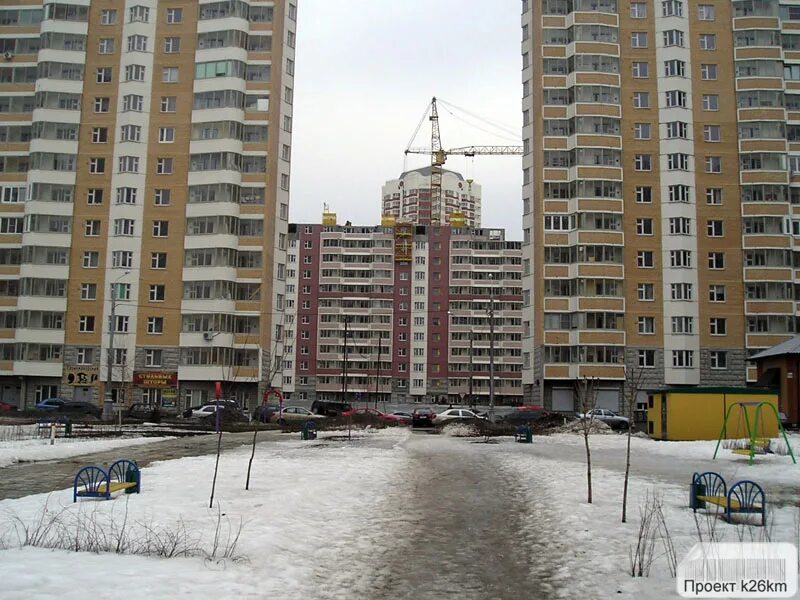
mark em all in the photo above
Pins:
pixel 365 71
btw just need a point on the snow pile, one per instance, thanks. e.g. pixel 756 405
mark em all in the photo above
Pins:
pixel 460 430
pixel 576 426
pixel 37 450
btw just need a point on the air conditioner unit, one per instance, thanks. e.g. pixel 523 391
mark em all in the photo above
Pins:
pixel 208 335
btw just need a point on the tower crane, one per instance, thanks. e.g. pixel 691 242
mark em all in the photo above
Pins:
pixel 439 156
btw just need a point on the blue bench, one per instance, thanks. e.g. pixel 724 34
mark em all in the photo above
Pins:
pixel 309 431
pixel 524 434
pixel 96 482
pixel 743 496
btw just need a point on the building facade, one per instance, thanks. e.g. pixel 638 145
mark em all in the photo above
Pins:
pixel 403 312
pixel 409 198
pixel 145 173
pixel 661 192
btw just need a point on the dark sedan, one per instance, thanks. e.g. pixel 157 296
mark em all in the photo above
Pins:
pixel 422 417
pixel 523 415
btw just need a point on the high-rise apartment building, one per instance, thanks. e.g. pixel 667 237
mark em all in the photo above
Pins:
pixel 409 198
pixel 145 172
pixel 404 313
pixel 661 190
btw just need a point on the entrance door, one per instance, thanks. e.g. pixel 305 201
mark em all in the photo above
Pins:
pixel 10 394
pixel 82 394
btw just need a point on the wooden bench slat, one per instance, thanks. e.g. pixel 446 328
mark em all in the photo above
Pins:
pixel 721 501
pixel 115 487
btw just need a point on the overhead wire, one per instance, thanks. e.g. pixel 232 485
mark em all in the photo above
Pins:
pixel 506 136
pixel 510 129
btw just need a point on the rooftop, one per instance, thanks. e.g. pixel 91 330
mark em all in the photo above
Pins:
pixel 426 172
pixel 791 346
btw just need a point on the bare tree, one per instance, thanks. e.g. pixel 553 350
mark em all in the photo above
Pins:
pixel 273 367
pixel 586 393
pixel 630 393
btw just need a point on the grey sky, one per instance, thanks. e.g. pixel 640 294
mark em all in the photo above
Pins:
pixel 365 71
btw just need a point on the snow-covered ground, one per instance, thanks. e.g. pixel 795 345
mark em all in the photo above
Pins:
pixel 311 514
pixel 36 450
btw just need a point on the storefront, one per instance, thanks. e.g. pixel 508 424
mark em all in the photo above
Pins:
pixel 158 388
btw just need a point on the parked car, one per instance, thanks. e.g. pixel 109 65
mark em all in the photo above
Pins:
pixel 372 412
pixel 455 414
pixel 50 404
pixel 295 413
pixel 422 417
pixel 145 412
pixel 80 408
pixel 204 411
pixel 522 415
pixel 403 416
pixel 329 409
pixel 608 417
pixel 6 407
pixel 264 412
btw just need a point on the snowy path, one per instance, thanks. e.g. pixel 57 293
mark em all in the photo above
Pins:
pixel 455 524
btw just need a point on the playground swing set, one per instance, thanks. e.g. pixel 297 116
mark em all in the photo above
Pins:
pixel 758 444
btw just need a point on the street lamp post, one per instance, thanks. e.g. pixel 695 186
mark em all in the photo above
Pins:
pixel 108 403
pixel 491 347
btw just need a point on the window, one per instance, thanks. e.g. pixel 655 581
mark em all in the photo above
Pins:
pixel 673 37
pixel 103 75
pixel 676 98
pixel 708 72
pixel 714 196
pixel 711 133
pixel 646 292
pixel 121 323
pixel 162 197
pixel 708 41
pixel 101 105
pixel 640 70
pixel 128 164
pixel 155 325
pixel 158 260
pixel 716 260
pixel 131 133
pixel 169 74
pixel 139 13
pixel 680 259
pixel 714 229
pixel 641 99
pixel 718 326
pixel 716 293
pixel 683 359
pixel 91 228
pixel 672 8
pixel 677 129
pixel 94 196
pixel 157 293
pixel 713 164
pixel 644 194
pixel 153 357
pixel 710 102
pixel 681 292
pixel 137 43
pixel 682 325
pixel 84 356
pixel 169 104
pixel 133 102
pixel 644 226
pixel 134 73
pixel 638 10
pixel 639 39
pixel 172 45
pixel 705 12
pixel 166 135
pixel 99 135
pixel 641 131
pixel 647 325
pixel 88 291
pixel 718 359
pixel 91 260
pixel 647 359
pixel 164 166
pixel 174 15
pixel 126 195
pixel 120 356
pixel 86 323
pixel 680 226
pixel 106 46
pixel 160 229
pixel 122 259
pixel 642 162
pixel 678 162
pixel 108 16
pixel 644 259
pixel 674 68
pixel 97 166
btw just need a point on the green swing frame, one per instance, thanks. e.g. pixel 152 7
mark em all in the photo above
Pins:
pixel 752 430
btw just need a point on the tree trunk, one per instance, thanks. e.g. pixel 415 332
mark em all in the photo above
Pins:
pixel 627 473
pixel 588 464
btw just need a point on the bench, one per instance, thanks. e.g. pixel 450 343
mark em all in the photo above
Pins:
pixel 309 431
pixel 743 496
pixel 524 434
pixel 96 482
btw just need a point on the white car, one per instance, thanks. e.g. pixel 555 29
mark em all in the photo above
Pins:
pixel 456 414
pixel 204 411
pixel 295 413
pixel 609 417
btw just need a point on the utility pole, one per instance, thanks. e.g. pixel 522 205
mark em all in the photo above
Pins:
pixel 491 348
pixel 471 371
pixel 378 378
pixel 109 397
